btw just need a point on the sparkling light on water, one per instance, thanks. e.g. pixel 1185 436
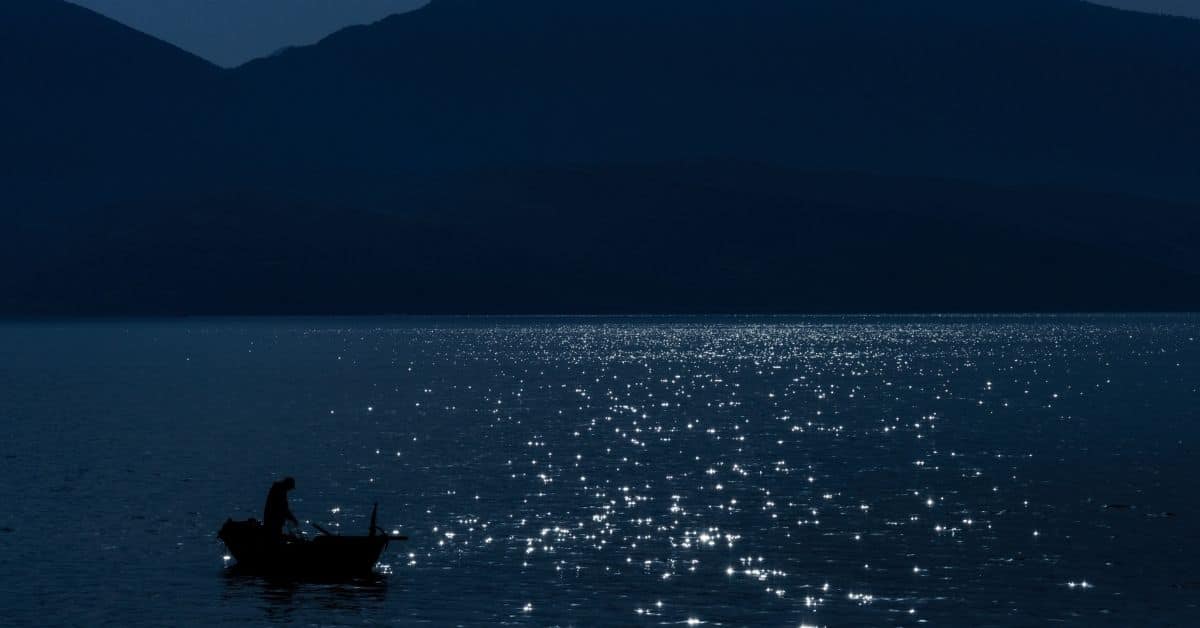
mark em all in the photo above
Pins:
pixel 684 472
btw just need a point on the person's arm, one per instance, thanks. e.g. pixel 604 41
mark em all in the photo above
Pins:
pixel 292 517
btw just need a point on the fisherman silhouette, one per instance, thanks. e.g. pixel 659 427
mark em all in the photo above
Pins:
pixel 276 513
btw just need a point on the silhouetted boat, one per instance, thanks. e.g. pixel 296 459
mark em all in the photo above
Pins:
pixel 328 556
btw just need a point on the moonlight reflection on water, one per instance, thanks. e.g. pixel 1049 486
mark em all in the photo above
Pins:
pixel 794 471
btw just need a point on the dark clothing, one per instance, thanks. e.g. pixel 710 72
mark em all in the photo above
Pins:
pixel 277 511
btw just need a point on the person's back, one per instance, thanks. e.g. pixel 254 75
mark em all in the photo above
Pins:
pixel 277 512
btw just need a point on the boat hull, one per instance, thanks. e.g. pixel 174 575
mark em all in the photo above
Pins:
pixel 257 552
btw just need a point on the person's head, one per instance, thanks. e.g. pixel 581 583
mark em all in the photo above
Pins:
pixel 289 483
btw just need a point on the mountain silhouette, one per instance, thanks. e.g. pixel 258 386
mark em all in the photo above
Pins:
pixel 86 95
pixel 609 156
pixel 1030 91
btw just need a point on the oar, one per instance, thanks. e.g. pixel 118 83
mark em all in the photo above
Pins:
pixel 320 529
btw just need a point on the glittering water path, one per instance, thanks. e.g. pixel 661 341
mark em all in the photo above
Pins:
pixel 816 471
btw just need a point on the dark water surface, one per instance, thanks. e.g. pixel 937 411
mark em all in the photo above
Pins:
pixel 779 472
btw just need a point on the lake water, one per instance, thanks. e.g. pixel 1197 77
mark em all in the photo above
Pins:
pixel 981 471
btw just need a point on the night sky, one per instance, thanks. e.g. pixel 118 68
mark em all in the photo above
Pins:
pixel 231 32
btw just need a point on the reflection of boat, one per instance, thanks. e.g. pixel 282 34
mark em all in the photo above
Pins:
pixel 326 556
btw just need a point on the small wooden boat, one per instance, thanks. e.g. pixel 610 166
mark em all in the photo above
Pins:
pixel 327 556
